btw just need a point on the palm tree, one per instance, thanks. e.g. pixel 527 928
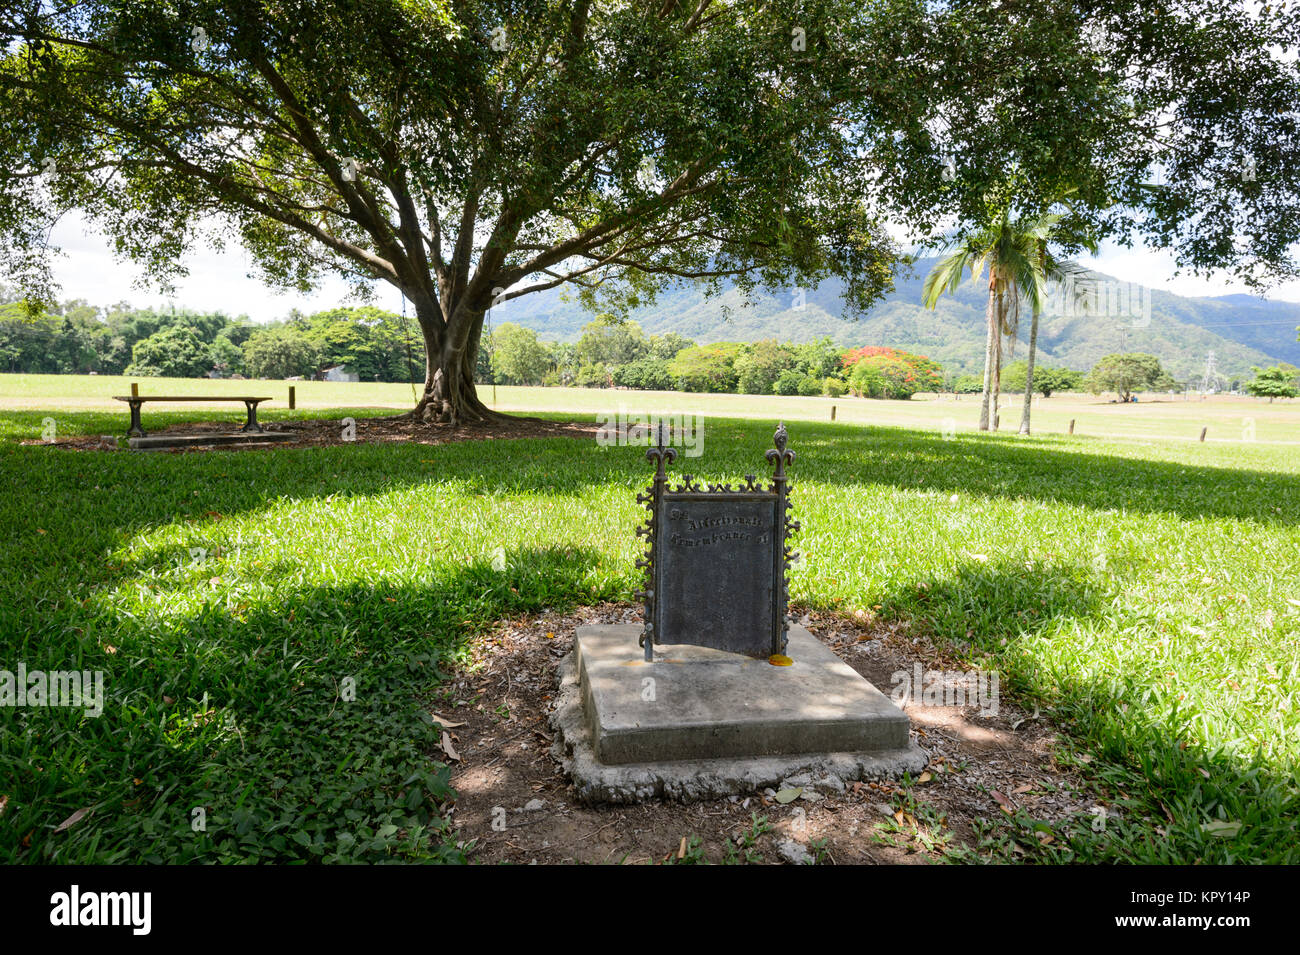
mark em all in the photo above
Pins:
pixel 1019 267
pixel 1051 270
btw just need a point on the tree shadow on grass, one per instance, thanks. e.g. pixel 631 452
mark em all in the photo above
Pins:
pixel 990 604
pixel 299 727
pixel 1179 797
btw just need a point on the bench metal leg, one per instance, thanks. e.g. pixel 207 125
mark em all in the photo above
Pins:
pixel 135 430
pixel 251 424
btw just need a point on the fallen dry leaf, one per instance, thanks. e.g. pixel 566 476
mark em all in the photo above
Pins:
pixel 445 723
pixel 1217 827
pixel 72 820
pixel 448 748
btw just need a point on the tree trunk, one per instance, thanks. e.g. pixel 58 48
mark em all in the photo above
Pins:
pixel 994 411
pixel 450 396
pixel 991 317
pixel 1029 374
pixel 997 362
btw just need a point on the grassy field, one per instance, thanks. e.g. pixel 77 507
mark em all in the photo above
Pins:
pixel 1144 592
pixel 1233 420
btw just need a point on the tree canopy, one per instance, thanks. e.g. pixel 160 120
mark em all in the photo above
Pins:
pixel 174 352
pixel 1127 373
pixel 1275 382
pixel 518 358
pixel 470 152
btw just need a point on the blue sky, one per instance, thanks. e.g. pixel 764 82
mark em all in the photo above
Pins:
pixel 219 281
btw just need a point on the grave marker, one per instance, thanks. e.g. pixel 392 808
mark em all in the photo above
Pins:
pixel 717 562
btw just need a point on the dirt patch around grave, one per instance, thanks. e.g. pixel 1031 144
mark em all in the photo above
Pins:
pixel 515 804
pixel 326 432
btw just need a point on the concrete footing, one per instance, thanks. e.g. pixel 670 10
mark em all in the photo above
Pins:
pixel 699 723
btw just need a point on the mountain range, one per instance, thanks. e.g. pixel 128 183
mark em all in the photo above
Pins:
pixel 1242 330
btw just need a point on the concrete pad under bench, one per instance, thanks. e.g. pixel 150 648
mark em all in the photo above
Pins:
pixel 158 442
pixel 716 723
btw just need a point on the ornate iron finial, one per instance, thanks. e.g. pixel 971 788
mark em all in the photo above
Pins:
pixel 661 454
pixel 780 455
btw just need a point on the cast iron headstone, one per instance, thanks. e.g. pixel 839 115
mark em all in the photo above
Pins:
pixel 717 561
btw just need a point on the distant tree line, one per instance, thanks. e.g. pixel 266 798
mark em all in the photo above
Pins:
pixel 376 345
pixel 615 353
pixel 78 338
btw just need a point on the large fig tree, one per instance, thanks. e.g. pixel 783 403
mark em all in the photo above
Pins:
pixel 471 152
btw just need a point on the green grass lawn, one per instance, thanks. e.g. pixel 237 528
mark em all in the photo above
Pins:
pixel 1144 592
pixel 1231 420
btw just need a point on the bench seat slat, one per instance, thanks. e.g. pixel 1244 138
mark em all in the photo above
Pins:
pixel 190 398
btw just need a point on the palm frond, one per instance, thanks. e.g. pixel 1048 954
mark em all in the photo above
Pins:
pixel 946 276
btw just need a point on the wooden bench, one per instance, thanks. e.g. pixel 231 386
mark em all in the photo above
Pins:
pixel 135 401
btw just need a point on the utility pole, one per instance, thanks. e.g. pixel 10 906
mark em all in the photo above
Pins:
pixel 1211 375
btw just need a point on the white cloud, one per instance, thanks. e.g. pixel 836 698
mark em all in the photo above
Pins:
pixel 218 281
pixel 1154 268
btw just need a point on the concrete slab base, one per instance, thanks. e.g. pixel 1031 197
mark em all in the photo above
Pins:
pixel 159 442
pixel 716 724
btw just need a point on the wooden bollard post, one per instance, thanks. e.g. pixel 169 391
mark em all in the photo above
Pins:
pixel 832 412
pixel 293 403
pixel 1071 426
pixel 1203 430
pixel 135 389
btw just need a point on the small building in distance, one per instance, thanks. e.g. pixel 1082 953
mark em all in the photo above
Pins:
pixel 337 373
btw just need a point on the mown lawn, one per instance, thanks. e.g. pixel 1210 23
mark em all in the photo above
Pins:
pixel 1232 420
pixel 1146 595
